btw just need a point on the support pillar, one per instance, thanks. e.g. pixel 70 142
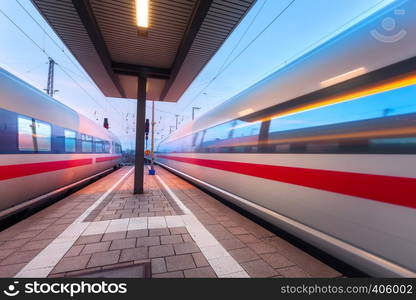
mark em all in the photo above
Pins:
pixel 140 121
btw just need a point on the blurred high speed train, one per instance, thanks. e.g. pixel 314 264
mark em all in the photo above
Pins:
pixel 324 148
pixel 45 145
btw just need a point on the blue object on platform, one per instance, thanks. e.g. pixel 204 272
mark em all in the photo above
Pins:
pixel 152 172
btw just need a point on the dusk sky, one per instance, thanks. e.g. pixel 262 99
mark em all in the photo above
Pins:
pixel 248 55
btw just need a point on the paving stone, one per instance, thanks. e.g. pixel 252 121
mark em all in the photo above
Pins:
pixel 74 250
pixel 171 239
pixel 228 224
pixel 148 214
pixel 178 274
pixel 184 248
pixel 13 244
pixel 64 221
pixel 200 259
pixel 178 230
pixel 275 260
pixel 233 243
pixel 219 232
pixel 137 233
pixel 160 251
pixel 187 237
pixel 293 272
pixel 148 241
pixel 19 257
pixel 158 265
pixel 204 272
pixel 114 236
pixel 123 244
pixel 96 247
pixel 248 238
pixel 180 262
pixel 134 254
pixel 89 239
pixel 50 233
pixel 159 231
pixel 303 260
pixel 244 255
pixel 71 264
pixel 5 252
pixel 261 248
pixel 104 258
pixel 28 234
pixel 237 230
pixel 258 269
pixel 10 270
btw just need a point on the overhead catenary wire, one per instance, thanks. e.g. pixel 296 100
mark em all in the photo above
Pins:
pixel 24 33
pixel 54 41
pixel 316 43
pixel 223 68
pixel 120 115
pixel 319 41
pixel 59 65
pixel 81 72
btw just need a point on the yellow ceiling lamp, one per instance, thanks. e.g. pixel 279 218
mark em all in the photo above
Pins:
pixel 142 17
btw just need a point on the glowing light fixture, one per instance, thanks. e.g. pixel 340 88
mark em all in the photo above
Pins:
pixel 142 13
pixel 142 16
pixel 245 112
pixel 343 77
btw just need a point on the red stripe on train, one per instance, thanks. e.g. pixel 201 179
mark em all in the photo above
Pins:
pixel 388 189
pixel 13 171
pixel 101 159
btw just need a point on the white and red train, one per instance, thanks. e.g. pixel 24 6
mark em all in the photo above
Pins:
pixel 45 145
pixel 324 148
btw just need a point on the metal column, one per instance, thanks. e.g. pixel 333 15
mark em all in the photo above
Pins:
pixel 140 121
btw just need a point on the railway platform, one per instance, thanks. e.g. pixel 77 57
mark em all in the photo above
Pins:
pixel 172 230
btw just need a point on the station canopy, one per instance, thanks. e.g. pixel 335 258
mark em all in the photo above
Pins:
pixel 181 38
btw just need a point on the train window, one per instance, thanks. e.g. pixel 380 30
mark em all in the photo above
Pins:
pixel 98 145
pixel 242 129
pixel 43 136
pixel 86 143
pixel 70 140
pixel 26 134
pixel 106 147
pixel 216 137
pixel 372 123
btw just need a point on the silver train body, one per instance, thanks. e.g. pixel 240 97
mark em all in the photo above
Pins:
pixel 45 145
pixel 324 148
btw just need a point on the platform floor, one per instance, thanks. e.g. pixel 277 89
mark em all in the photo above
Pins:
pixel 175 227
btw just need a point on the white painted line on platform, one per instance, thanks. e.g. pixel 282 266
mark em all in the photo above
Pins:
pixel 82 217
pixel 43 263
pixel 174 221
pixel 137 223
pixel 96 228
pixel 157 222
pixel 174 197
pixel 117 225
pixel 223 264
pixel 220 260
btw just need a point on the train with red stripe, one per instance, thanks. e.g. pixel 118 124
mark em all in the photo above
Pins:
pixel 324 148
pixel 45 145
